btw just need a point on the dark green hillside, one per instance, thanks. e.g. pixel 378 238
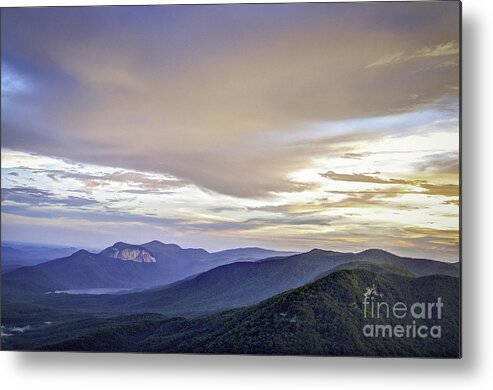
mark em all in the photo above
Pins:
pixel 326 318
pixel 421 267
pixel 372 267
pixel 322 318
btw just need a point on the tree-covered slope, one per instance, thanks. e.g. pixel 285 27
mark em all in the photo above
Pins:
pixel 325 317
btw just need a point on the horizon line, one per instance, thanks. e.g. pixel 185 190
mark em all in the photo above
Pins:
pixel 100 249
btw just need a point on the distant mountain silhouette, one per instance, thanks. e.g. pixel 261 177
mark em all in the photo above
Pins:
pixel 17 255
pixel 125 266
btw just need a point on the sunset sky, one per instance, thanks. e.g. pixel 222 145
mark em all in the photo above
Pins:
pixel 289 126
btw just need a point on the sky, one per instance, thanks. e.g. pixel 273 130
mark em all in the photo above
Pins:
pixel 287 126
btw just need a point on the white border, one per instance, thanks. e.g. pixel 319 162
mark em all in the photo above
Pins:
pixel 74 371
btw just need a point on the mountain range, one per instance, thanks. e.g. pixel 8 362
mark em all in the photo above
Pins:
pixel 126 266
pixel 16 255
pixel 223 287
pixel 245 300
pixel 245 283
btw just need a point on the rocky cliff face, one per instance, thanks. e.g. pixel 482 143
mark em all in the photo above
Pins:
pixel 130 253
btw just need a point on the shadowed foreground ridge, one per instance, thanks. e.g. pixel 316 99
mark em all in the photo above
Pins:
pixel 322 318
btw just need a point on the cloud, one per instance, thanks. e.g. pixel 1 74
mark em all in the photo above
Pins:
pixel 450 48
pixel 440 189
pixel 289 221
pixel 450 236
pixel 211 94
pixel 352 199
pixel 356 156
pixel 365 178
pixel 253 225
pixel 429 188
pixel 36 197
pixel 444 163
pixel 13 83
pixel 210 124
pixel 139 183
